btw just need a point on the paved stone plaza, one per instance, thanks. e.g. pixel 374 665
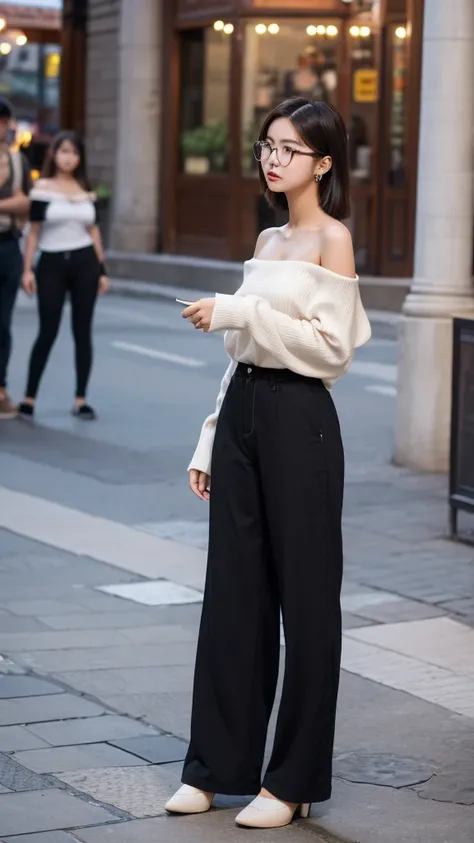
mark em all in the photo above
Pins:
pixel 102 559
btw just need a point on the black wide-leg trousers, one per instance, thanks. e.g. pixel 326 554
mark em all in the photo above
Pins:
pixel 275 543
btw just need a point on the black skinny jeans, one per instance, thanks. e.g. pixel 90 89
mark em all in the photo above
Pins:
pixel 11 266
pixel 58 273
pixel 275 541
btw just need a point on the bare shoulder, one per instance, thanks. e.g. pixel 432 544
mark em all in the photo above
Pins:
pixel 264 238
pixel 337 252
pixel 43 184
pixel 335 231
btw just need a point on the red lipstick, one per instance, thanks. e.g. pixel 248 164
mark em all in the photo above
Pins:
pixel 272 176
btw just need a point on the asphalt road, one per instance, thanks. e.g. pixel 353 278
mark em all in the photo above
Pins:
pixel 154 380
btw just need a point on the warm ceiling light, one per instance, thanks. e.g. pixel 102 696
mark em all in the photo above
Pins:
pixel 401 32
pixel 5 48
pixel 219 25
pixel 321 30
pixel 229 28
pixel 274 29
pixel 365 31
pixel 21 40
pixel 354 31
pixel 260 29
pixel 332 30
pixel 311 30
pixel 3 23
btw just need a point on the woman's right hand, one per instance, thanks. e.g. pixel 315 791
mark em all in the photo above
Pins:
pixel 199 483
pixel 28 282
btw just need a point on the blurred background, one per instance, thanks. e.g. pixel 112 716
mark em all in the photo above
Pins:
pixel 96 518
pixel 185 85
pixel 170 95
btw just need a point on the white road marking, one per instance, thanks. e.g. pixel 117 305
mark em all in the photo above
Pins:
pixel 107 541
pixel 443 642
pixel 360 600
pixel 155 592
pixel 377 371
pixel 426 681
pixel 158 355
pixel 429 659
pixel 142 318
pixel 382 389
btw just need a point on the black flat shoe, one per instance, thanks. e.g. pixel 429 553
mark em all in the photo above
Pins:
pixel 26 410
pixel 85 411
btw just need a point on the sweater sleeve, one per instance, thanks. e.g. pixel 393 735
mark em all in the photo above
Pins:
pixel 202 455
pixel 319 345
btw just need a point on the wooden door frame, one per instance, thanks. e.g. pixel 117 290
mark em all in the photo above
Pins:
pixel 413 20
pixel 415 24
pixel 169 131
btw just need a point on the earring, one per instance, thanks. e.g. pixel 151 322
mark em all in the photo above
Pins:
pixel 318 178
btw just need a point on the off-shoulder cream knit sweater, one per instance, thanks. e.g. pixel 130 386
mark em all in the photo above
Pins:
pixel 286 315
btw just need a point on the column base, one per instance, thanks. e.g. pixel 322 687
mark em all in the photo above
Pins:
pixel 423 416
pixel 133 236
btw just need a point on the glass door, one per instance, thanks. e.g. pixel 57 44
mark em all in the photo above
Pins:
pixel 203 221
pixel 282 58
pixel 363 128
pixel 395 257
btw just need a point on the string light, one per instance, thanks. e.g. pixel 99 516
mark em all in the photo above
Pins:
pixel 260 29
pixel 274 29
pixel 401 32
pixel 354 31
pixel 331 30
pixel 5 48
pixel 229 28
pixel 311 30
pixel 21 40
pixel 365 31
pixel 219 25
pixel 321 30
pixel 3 24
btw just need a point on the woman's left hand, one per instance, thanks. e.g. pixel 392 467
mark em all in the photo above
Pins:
pixel 103 284
pixel 200 313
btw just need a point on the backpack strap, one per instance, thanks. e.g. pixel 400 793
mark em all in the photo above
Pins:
pixel 16 166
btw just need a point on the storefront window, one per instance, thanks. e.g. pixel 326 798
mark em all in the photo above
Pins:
pixel 205 74
pixel 399 48
pixel 282 59
pixel 362 128
pixel 29 78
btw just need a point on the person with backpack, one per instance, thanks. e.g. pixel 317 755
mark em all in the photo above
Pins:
pixel 15 184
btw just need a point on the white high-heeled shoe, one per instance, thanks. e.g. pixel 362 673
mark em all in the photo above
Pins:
pixel 189 800
pixel 270 813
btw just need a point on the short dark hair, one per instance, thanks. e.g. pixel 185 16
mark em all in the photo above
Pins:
pixel 322 128
pixel 49 167
pixel 6 110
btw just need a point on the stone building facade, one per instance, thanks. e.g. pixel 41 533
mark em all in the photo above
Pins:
pixel 102 82
pixel 123 115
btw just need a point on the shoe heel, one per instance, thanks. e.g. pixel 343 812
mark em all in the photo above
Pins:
pixel 305 808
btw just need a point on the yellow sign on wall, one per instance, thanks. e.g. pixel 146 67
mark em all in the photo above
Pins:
pixel 52 64
pixel 365 86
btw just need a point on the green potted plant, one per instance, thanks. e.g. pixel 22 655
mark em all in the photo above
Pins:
pixel 205 148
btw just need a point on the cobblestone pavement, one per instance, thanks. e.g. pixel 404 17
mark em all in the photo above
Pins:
pixel 102 558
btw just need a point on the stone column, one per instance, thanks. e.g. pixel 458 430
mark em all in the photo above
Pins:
pixel 136 184
pixel 442 284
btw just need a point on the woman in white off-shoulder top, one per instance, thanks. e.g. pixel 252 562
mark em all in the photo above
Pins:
pixel 64 229
pixel 270 459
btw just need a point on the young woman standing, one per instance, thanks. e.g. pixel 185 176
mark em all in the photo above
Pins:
pixel 271 461
pixel 63 226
